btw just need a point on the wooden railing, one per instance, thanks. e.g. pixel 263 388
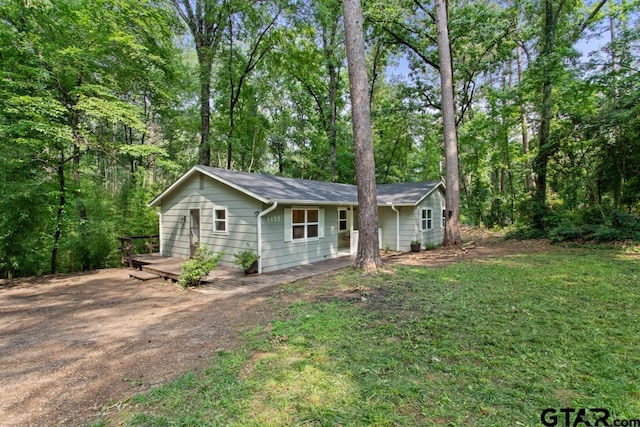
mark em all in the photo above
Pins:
pixel 130 246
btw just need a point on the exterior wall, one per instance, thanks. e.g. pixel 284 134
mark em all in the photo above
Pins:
pixel 241 221
pixel 204 193
pixel 278 254
pixel 435 201
pixel 387 221
pixel 410 223
pixel 241 226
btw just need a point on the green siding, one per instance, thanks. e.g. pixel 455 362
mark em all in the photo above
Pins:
pixel 241 221
pixel 242 217
pixel 278 254
pixel 410 223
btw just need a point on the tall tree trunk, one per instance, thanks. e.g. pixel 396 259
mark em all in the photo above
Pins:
pixel 75 176
pixel 233 98
pixel 333 118
pixel 618 142
pixel 550 61
pixel 452 235
pixel 545 149
pixel 368 257
pixel 524 127
pixel 205 62
pixel 59 214
pixel 206 21
pixel 329 43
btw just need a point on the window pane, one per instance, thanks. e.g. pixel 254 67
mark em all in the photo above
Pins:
pixel 429 213
pixel 424 213
pixel 220 214
pixel 312 215
pixel 424 224
pixel 342 225
pixel 298 216
pixel 343 214
pixel 312 231
pixel 221 226
pixel 298 231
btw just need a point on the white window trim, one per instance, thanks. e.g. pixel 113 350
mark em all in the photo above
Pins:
pixel 288 224
pixel 345 220
pixel 226 220
pixel 428 218
pixel 443 223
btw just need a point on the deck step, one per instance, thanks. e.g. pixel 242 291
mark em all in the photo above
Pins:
pixel 143 275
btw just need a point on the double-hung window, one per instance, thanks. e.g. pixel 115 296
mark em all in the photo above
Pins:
pixel 305 223
pixel 220 218
pixel 426 219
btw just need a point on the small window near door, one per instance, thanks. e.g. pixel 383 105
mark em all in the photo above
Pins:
pixel 444 218
pixel 342 220
pixel 220 216
pixel 426 220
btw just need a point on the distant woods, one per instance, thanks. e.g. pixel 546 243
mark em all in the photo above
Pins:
pixel 104 103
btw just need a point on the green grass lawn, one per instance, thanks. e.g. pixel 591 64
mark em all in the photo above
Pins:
pixel 490 342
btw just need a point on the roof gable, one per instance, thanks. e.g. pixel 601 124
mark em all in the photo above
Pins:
pixel 269 188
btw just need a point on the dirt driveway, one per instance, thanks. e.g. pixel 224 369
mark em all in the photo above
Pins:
pixel 72 346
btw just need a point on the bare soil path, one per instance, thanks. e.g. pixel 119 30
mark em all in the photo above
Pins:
pixel 72 346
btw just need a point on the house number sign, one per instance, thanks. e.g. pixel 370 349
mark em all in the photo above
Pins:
pixel 274 218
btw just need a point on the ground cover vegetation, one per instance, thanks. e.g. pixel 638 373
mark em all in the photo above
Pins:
pixel 488 342
pixel 104 103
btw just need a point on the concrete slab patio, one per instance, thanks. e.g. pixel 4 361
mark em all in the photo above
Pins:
pixel 227 281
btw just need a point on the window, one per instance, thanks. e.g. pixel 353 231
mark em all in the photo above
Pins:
pixel 342 220
pixel 426 220
pixel 305 223
pixel 220 216
pixel 444 218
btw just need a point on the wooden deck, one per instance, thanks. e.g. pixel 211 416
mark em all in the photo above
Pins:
pixel 171 268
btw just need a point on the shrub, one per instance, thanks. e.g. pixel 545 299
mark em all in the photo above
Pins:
pixel 245 258
pixel 197 268
pixel 567 231
pixel 605 233
pixel 625 222
pixel 525 233
pixel 430 246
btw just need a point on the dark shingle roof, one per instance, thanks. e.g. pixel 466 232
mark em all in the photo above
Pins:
pixel 406 193
pixel 280 188
pixel 270 188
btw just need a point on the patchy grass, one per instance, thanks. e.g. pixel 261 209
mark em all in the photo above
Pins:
pixel 486 343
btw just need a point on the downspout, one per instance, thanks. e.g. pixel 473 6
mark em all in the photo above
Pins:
pixel 160 242
pixel 393 208
pixel 260 215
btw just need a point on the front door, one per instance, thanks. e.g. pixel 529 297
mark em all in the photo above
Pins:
pixel 194 227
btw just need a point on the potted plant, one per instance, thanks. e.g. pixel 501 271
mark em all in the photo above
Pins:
pixel 415 246
pixel 247 259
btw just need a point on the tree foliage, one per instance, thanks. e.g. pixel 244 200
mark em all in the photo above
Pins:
pixel 104 103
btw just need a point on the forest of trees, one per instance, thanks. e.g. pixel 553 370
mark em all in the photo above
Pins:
pixel 103 103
